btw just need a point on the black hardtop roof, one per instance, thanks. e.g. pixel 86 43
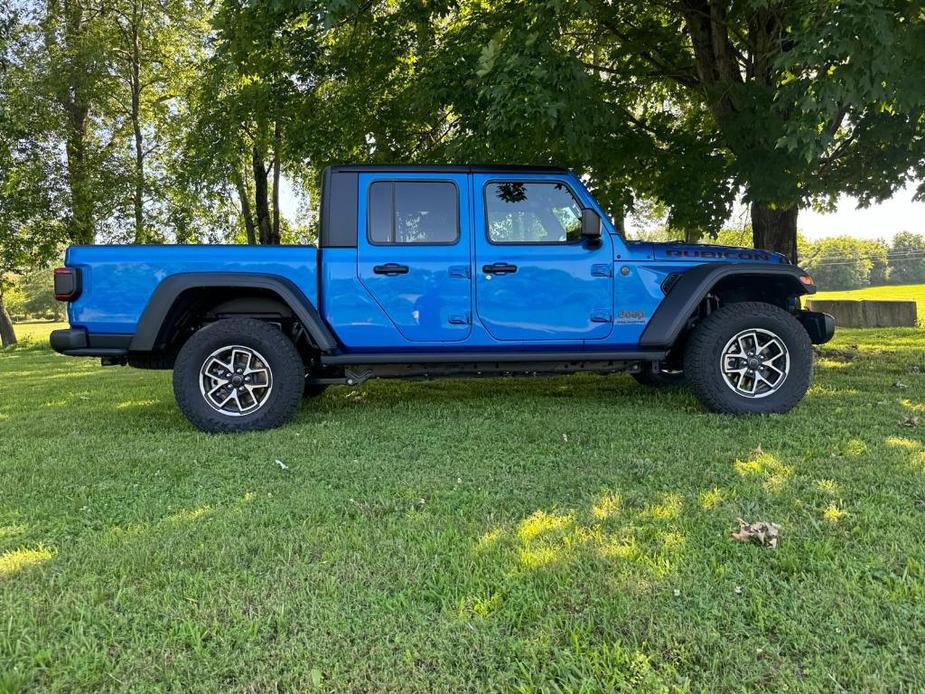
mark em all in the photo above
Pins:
pixel 446 168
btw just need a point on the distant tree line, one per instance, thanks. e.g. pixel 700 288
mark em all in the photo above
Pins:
pixel 847 263
pixel 162 121
pixel 838 262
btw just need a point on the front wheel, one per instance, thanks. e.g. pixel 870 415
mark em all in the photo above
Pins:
pixel 749 358
pixel 238 374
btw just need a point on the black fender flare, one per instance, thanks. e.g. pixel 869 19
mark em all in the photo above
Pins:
pixel 151 324
pixel 691 288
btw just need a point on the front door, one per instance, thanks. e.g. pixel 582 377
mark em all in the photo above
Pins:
pixel 414 257
pixel 537 279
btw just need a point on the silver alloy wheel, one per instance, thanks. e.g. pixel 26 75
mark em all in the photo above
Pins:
pixel 235 380
pixel 755 363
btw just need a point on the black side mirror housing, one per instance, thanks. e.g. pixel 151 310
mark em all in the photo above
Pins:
pixel 590 224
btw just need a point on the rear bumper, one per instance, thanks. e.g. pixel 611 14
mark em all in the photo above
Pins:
pixel 820 326
pixel 76 342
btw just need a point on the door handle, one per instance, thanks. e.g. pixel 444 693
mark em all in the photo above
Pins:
pixel 499 269
pixel 390 269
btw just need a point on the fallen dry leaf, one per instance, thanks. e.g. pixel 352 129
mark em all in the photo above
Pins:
pixel 760 532
pixel 909 421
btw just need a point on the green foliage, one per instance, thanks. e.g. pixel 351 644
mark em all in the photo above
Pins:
pixel 907 260
pixel 32 189
pixel 688 104
pixel 878 253
pixel 32 296
pixel 838 263
pixel 66 51
pixel 155 52
pixel 844 263
pixel 854 78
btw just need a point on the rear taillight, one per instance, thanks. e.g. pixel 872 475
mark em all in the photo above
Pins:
pixel 67 283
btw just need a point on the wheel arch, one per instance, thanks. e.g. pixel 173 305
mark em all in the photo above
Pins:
pixel 775 284
pixel 180 297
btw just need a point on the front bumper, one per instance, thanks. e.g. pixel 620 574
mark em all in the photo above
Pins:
pixel 76 342
pixel 820 326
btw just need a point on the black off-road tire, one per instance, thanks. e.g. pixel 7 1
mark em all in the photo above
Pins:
pixel 313 390
pixel 703 358
pixel 281 356
pixel 658 379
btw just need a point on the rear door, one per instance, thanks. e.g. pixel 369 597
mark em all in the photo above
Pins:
pixel 537 279
pixel 414 257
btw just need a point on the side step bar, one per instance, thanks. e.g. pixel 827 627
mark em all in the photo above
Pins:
pixel 486 357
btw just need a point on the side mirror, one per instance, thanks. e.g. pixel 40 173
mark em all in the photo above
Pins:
pixel 590 224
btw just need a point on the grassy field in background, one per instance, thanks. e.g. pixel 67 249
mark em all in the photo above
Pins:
pixel 36 333
pixel 568 533
pixel 898 292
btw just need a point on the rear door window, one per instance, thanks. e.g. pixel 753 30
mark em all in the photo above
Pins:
pixel 413 212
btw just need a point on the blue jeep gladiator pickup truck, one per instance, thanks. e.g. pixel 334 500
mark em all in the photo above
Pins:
pixel 431 271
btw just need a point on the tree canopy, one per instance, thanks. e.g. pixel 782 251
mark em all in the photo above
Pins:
pixel 693 102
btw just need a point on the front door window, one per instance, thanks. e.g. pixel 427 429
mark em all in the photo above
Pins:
pixel 532 213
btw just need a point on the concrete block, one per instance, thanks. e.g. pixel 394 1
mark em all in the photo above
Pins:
pixel 867 313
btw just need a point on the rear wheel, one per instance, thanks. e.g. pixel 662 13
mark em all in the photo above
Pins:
pixel 749 358
pixel 238 374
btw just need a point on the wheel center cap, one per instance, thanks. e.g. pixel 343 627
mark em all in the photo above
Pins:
pixel 753 363
pixel 237 380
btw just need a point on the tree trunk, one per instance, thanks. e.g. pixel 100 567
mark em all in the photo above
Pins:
pixel 7 334
pixel 139 177
pixel 775 229
pixel 80 229
pixel 245 209
pixel 73 102
pixel 261 202
pixel 276 171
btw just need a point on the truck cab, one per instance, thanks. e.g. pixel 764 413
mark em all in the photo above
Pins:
pixel 426 271
pixel 465 259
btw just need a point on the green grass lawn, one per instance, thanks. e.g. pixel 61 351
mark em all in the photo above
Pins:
pixel 899 292
pixel 561 534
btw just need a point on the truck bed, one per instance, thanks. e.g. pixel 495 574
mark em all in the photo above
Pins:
pixel 117 281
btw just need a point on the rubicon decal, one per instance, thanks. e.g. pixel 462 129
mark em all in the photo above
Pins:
pixel 735 253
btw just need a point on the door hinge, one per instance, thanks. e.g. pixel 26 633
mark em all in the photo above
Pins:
pixel 602 270
pixel 459 271
pixel 601 315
